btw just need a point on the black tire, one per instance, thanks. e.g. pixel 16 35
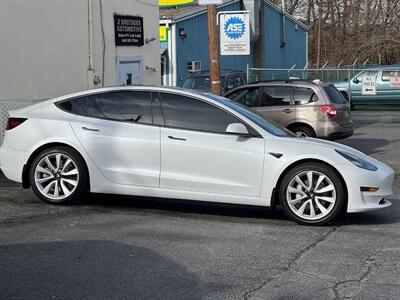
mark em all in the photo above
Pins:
pixel 303 131
pixel 340 192
pixel 82 178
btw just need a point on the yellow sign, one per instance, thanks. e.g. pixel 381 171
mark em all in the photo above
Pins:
pixel 163 33
pixel 174 2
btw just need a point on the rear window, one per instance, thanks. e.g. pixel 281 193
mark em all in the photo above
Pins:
pixel 334 95
pixel 77 106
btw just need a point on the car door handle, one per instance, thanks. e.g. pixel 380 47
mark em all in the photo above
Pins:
pixel 176 138
pixel 287 110
pixel 90 129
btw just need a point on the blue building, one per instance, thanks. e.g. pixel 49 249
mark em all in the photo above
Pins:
pixel 185 45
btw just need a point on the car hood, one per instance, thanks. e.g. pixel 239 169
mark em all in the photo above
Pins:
pixel 301 146
pixel 341 84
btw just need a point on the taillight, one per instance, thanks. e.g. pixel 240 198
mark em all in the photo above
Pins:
pixel 14 122
pixel 328 110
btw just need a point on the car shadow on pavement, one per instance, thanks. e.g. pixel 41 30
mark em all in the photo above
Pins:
pixel 389 215
pixel 92 269
pixel 187 209
pixel 183 208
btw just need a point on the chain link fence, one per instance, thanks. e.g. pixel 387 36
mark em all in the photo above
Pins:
pixel 350 81
pixel 325 75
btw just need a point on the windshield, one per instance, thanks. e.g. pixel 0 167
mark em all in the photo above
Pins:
pixel 199 82
pixel 269 126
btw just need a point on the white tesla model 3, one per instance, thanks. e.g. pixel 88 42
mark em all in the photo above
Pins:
pixel 172 143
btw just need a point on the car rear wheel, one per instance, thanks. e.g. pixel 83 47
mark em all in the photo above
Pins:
pixel 312 194
pixel 58 176
pixel 303 131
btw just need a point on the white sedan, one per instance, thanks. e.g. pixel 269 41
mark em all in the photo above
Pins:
pixel 174 143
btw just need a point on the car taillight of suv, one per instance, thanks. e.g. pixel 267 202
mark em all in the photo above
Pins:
pixel 329 111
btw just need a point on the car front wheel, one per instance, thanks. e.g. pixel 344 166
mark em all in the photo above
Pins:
pixel 58 176
pixel 312 194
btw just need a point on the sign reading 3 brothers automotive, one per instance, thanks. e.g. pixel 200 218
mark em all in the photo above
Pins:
pixel 128 31
pixel 234 33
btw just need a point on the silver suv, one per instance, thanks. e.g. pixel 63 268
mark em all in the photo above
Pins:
pixel 306 108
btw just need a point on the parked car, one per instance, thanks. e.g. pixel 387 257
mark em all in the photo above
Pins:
pixel 229 80
pixel 306 108
pixel 386 93
pixel 172 143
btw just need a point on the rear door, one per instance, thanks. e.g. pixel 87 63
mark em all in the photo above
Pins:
pixel 116 130
pixel 307 106
pixel 276 103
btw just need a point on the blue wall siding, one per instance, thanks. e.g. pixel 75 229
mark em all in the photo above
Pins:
pixel 195 46
pixel 295 51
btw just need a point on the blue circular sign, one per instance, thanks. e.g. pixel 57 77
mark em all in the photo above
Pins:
pixel 234 28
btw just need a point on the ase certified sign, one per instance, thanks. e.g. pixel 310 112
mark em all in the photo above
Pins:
pixel 234 33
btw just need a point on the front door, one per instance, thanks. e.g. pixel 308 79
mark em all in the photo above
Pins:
pixel 197 155
pixel 119 137
pixel 129 71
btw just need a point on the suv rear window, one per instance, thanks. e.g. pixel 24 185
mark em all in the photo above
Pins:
pixel 334 95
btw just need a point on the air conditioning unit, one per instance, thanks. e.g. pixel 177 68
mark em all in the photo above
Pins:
pixel 194 66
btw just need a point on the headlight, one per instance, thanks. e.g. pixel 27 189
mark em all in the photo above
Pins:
pixel 359 162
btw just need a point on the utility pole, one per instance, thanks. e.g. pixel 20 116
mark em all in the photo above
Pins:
pixel 215 80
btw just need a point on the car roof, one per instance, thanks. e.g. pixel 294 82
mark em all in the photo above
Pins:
pixel 383 67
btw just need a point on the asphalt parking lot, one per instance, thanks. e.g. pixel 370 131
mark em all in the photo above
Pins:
pixel 114 247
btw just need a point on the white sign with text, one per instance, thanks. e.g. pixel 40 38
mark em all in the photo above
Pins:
pixel 234 33
pixel 368 85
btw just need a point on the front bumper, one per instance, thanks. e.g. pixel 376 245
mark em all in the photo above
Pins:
pixel 359 201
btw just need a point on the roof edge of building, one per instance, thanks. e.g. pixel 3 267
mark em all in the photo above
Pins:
pixel 192 14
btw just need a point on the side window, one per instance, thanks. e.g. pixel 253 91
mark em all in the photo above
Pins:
pixel 247 97
pixel 304 95
pixel 188 113
pixel 121 106
pixel 366 73
pixel 386 75
pixel 230 82
pixel 276 96
pixel 77 106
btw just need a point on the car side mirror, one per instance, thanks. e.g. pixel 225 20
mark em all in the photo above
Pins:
pixel 237 129
pixel 356 80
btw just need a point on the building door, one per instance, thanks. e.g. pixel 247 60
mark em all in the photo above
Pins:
pixel 129 70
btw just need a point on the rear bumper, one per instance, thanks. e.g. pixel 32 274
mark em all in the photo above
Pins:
pixel 12 162
pixel 334 131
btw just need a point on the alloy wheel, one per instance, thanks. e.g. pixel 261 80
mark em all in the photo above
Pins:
pixel 311 195
pixel 56 176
